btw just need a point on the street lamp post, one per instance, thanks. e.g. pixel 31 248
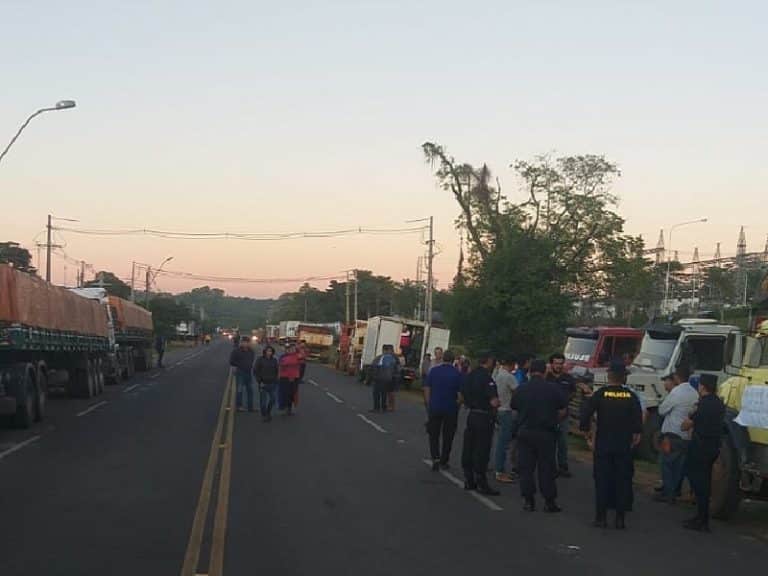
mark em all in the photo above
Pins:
pixel 151 278
pixel 669 258
pixel 60 105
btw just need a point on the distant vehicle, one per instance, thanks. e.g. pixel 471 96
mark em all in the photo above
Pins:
pixel 383 330
pixel 288 330
pixel 318 339
pixel 742 467
pixel 273 332
pixel 351 342
pixel 700 344
pixel 593 349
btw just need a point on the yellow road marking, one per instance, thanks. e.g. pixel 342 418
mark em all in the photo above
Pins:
pixel 222 505
pixel 192 555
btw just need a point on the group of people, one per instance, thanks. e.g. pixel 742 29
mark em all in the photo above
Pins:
pixel 278 377
pixel 528 400
pixel 384 378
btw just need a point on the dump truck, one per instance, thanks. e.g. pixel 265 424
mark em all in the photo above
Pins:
pixel 742 467
pixel 351 342
pixel 318 340
pixel 701 344
pixel 49 338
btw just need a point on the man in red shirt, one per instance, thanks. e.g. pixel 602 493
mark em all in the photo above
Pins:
pixel 289 372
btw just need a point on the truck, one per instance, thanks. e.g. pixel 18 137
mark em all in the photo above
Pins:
pixel 742 466
pixel 351 342
pixel 701 344
pixel 49 337
pixel 273 332
pixel 318 339
pixel 287 330
pixel 383 330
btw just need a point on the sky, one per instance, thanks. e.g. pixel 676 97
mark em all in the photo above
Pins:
pixel 250 116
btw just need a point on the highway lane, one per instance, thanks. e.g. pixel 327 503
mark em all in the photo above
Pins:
pixel 333 489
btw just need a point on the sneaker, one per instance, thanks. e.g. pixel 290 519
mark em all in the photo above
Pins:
pixel 552 507
pixel 435 465
pixel 504 478
pixel 564 473
pixel 469 485
pixel 529 505
pixel 240 409
pixel 696 524
pixel 445 466
pixel 486 490
pixel 600 522
pixel 663 499
pixel 620 522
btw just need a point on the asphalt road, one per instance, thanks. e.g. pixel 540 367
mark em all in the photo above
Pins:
pixel 161 480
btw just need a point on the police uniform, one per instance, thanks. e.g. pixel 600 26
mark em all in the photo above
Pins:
pixel 539 403
pixel 618 417
pixel 478 390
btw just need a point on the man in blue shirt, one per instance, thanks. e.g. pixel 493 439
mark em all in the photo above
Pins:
pixel 383 372
pixel 442 393
pixel 523 366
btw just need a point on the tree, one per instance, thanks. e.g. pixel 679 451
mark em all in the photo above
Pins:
pixel 167 313
pixel 20 258
pixel 111 283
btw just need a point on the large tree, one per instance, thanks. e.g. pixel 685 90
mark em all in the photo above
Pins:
pixel 18 257
pixel 111 283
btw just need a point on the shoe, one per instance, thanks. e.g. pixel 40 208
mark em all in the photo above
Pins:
pixel 240 409
pixel 664 499
pixel 445 466
pixel 529 505
pixel 620 522
pixel 696 524
pixel 435 466
pixel 552 507
pixel 600 522
pixel 658 489
pixel 564 473
pixel 469 485
pixel 504 478
pixel 486 490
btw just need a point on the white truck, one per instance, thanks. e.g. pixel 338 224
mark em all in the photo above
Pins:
pixel 288 330
pixel 703 345
pixel 383 330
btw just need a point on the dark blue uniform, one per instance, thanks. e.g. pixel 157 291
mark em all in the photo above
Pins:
pixel 478 390
pixel 619 417
pixel 703 451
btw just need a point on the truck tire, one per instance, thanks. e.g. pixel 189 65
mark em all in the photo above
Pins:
pixel 25 400
pixel 726 494
pixel 100 375
pixel 42 393
pixel 648 449
pixel 82 385
pixel 130 364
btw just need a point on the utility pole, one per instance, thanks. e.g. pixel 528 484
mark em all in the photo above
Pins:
pixel 48 252
pixel 430 279
pixel 82 273
pixel 146 289
pixel 346 300
pixel 355 273
pixel 133 281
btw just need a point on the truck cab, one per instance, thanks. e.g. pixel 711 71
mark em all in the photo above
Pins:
pixel 592 348
pixel 704 345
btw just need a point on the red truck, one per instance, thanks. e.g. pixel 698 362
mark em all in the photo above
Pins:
pixel 594 347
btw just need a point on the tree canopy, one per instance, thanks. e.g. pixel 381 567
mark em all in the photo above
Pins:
pixel 18 257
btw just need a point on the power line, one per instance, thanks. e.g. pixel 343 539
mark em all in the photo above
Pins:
pixel 251 236
pixel 238 279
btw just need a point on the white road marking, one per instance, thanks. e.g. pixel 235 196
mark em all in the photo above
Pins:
pixel 334 398
pixel 129 388
pixel 155 375
pixel 19 446
pixel 487 502
pixel 371 423
pixel 315 384
pixel 400 441
pixel 92 408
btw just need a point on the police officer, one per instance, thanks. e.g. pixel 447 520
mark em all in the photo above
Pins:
pixel 481 399
pixel 541 404
pixel 619 427
pixel 707 426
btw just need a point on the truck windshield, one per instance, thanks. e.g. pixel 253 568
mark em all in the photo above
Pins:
pixel 579 349
pixel 655 352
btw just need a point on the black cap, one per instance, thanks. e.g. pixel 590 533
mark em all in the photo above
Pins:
pixel 670 376
pixel 618 367
pixel 538 367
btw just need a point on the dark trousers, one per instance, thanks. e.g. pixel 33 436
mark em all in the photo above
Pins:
pixel 244 382
pixel 613 482
pixel 287 392
pixel 700 475
pixel 160 354
pixel 302 371
pixel 536 452
pixel 476 451
pixel 379 396
pixel 441 424
pixel 267 394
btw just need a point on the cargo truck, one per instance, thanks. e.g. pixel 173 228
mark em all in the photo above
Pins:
pixel 49 337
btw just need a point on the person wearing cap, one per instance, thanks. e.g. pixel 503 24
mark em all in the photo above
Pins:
pixel 481 399
pixel 706 427
pixel 242 359
pixel 619 429
pixel 680 401
pixel 541 405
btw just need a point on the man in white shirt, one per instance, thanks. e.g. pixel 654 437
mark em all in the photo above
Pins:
pixel 506 383
pixel 681 400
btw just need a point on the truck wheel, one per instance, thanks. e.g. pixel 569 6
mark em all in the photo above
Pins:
pixel 100 374
pixel 25 408
pixel 42 394
pixel 648 449
pixel 726 494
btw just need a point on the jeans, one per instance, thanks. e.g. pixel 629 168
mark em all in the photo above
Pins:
pixel 673 465
pixel 441 424
pixel 562 445
pixel 244 382
pixel 506 420
pixel 267 397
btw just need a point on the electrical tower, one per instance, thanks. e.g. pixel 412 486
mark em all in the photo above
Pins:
pixel 660 247
pixel 743 275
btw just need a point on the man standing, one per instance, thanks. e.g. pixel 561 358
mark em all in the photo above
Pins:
pixel 567 384
pixel 242 360
pixel 678 405
pixel 265 371
pixel 619 427
pixel 481 398
pixel 160 349
pixel 437 358
pixel 442 391
pixel 541 405
pixel 523 366
pixel 289 371
pixel 707 427
pixel 382 374
pixel 506 383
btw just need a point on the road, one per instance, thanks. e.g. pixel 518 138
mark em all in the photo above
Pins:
pixel 159 479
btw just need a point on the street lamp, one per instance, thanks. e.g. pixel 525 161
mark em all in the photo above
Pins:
pixel 60 105
pixel 669 257
pixel 151 277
